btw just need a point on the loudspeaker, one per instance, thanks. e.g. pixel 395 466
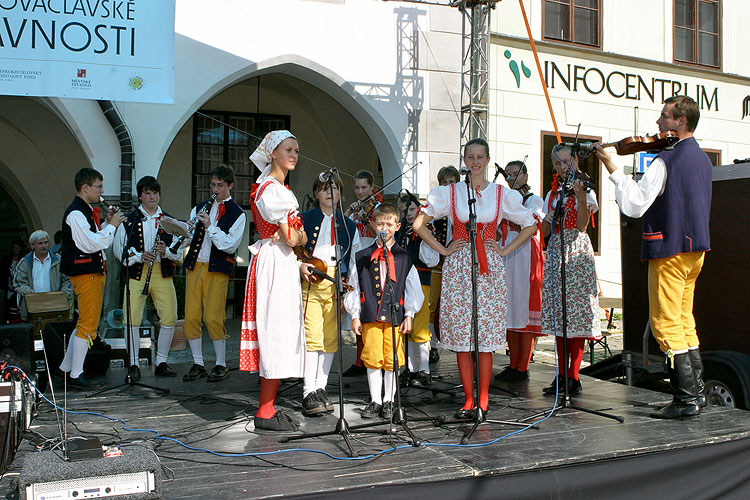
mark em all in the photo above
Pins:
pixel 56 336
pixel 17 346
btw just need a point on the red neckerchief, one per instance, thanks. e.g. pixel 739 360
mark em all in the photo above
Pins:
pixel 333 228
pixel 96 215
pixel 377 255
pixel 222 211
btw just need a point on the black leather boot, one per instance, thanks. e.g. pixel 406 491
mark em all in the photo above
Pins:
pixel 684 388
pixel 697 363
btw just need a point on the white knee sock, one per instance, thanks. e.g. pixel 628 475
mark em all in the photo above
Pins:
pixel 196 347
pixel 165 342
pixel 65 365
pixel 424 356
pixel 135 344
pixel 413 356
pixel 220 347
pixel 80 348
pixel 325 360
pixel 390 386
pixel 310 373
pixel 375 381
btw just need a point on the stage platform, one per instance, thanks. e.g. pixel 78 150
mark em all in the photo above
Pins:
pixel 569 455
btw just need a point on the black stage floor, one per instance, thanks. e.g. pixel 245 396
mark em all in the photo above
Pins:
pixel 570 455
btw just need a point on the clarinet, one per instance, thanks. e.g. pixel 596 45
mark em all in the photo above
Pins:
pixel 178 240
pixel 108 206
pixel 150 267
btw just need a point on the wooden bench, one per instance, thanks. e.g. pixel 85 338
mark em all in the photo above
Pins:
pixel 610 303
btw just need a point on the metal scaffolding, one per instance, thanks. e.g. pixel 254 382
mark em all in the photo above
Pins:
pixel 475 68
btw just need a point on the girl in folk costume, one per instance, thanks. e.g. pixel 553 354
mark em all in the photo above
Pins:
pixel 523 270
pixel 582 304
pixel 273 332
pixel 493 203
pixel 361 213
pixel 319 299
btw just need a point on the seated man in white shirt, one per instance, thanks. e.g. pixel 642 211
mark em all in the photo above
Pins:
pixel 39 271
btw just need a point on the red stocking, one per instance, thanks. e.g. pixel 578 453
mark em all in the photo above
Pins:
pixel 526 347
pixel 514 346
pixel 466 372
pixel 268 387
pixel 575 351
pixel 485 374
pixel 360 346
pixel 561 364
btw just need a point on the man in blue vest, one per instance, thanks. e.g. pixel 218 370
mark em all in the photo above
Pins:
pixel 674 199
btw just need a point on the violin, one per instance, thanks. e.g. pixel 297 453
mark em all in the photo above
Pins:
pixel 319 270
pixel 650 143
pixel 363 208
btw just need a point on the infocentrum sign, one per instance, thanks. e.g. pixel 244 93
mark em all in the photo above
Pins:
pixel 611 83
pixel 93 49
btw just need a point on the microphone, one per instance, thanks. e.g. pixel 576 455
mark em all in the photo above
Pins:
pixel 464 170
pixel 382 235
pixel 325 176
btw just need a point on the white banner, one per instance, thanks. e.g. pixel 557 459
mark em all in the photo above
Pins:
pixel 121 50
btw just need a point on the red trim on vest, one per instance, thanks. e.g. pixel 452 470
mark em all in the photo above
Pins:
pixel 653 236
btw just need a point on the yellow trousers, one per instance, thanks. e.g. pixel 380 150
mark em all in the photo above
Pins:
pixel 206 297
pixel 162 294
pixel 671 285
pixel 320 315
pixel 89 289
pixel 436 281
pixel 420 331
pixel 378 349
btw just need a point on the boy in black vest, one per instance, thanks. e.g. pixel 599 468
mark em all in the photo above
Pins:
pixel 84 238
pixel 674 198
pixel 210 262
pixel 142 228
pixel 381 277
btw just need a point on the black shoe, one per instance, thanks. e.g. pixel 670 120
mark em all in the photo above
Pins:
pixel 354 371
pixel 386 411
pixel 424 378
pixel 82 381
pixel 574 387
pixel 163 370
pixel 311 405
pixel 517 376
pixel 196 372
pixel 684 390
pixel 134 373
pixel 696 362
pixel 218 374
pixel 503 375
pixel 555 386
pixel 323 396
pixel 279 422
pixel 464 414
pixel 434 355
pixel 371 411
pixel 409 379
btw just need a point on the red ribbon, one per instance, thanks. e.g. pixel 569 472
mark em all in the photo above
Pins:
pixel 333 228
pixel 482 251
pixel 377 255
pixel 96 215
pixel 222 211
pixel 293 221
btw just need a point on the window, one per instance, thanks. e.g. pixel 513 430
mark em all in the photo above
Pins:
pixel 229 138
pixel 697 32
pixel 589 165
pixel 714 155
pixel 574 21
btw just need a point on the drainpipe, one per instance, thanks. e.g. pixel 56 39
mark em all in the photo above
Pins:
pixel 127 156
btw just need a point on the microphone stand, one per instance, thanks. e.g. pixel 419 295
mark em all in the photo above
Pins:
pixel 128 322
pixel 471 227
pixel 563 401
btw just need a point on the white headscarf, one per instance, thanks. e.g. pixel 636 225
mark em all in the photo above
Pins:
pixel 262 155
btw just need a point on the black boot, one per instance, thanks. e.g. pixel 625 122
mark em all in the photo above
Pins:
pixel 697 363
pixel 684 388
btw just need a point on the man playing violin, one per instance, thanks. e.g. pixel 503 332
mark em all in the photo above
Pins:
pixel 319 300
pixel 674 199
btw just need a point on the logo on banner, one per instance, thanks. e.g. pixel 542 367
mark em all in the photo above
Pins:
pixel 135 82
pixel 745 107
pixel 513 65
pixel 80 82
pixel 81 73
